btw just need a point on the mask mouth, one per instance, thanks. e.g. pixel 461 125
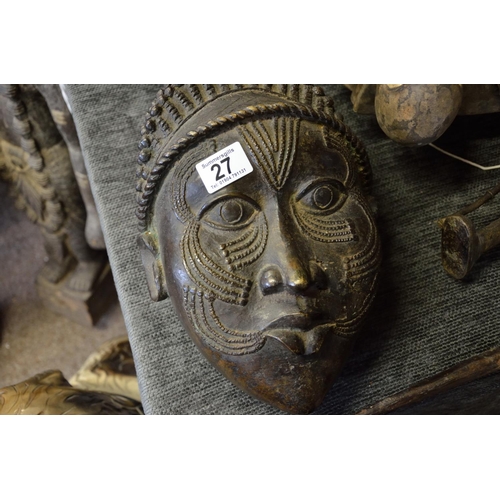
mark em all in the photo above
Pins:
pixel 300 333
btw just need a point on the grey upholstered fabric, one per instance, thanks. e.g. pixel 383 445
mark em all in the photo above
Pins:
pixel 423 321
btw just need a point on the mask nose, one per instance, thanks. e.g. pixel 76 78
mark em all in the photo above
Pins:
pixel 293 277
pixel 288 265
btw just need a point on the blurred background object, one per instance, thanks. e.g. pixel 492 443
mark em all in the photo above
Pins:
pixel 41 160
pixel 418 114
pixel 63 252
pixel 462 243
pixel 34 339
pixel 49 393
pixel 111 369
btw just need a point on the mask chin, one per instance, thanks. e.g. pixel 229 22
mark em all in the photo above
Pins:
pixel 153 266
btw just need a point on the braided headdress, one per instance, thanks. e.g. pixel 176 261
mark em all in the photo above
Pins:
pixel 168 131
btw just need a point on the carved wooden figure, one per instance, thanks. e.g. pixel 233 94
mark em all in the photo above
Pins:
pixel 255 218
pixel 35 159
pixel 66 127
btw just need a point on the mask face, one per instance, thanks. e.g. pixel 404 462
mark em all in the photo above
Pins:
pixel 273 274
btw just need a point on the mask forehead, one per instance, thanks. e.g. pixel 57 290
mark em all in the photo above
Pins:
pixel 322 152
pixel 273 146
pixel 279 149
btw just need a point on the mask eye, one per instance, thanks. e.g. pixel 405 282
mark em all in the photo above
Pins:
pixel 325 196
pixel 229 213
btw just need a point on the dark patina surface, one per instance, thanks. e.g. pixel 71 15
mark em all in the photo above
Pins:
pixel 271 275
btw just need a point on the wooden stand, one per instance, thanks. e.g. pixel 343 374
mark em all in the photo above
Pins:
pixel 84 308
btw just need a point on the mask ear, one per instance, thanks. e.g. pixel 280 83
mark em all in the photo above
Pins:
pixel 152 265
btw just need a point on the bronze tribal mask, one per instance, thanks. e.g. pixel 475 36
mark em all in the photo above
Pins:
pixel 255 219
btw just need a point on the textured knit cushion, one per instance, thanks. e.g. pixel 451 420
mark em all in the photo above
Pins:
pixel 423 321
